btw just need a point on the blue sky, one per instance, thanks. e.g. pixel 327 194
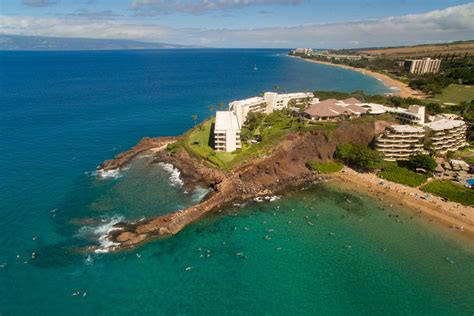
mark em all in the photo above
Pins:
pixel 244 23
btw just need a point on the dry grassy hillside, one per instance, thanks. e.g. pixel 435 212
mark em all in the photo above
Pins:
pixel 458 48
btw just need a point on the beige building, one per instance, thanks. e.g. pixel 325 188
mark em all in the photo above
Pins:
pixel 399 142
pixel 446 135
pixel 226 132
pixel 334 110
pixel 422 66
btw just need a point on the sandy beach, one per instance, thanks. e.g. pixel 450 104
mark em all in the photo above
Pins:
pixel 399 88
pixel 453 215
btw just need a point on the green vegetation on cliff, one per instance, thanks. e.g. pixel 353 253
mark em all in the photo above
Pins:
pixel 359 156
pixel 324 167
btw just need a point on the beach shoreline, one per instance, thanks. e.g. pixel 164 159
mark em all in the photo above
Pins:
pixel 452 215
pixel 400 89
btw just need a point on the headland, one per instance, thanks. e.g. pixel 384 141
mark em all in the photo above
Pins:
pixel 281 170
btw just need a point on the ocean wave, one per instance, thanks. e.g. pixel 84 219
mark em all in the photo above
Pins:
pixel 269 198
pixel 101 233
pixel 174 173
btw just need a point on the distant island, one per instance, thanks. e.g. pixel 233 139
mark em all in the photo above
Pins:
pixel 42 43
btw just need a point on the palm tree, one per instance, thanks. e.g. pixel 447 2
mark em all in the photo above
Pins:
pixel 220 106
pixel 276 88
pixel 195 118
pixel 212 108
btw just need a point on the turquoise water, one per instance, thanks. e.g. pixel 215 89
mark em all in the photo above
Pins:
pixel 62 113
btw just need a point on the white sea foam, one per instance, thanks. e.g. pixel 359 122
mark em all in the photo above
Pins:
pixel 105 174
pixel 174 173
pixel 199 194
pixel 270 198
pixel 101 233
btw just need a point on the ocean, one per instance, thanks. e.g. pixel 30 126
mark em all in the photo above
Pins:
pixel 63 113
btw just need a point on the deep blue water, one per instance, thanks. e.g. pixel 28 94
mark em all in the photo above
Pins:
pixel 63 113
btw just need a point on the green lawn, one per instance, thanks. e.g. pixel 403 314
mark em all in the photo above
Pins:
pixel 451 191
pixel 324 167
pixel 466 154
pixel 455 94
pixel 392 172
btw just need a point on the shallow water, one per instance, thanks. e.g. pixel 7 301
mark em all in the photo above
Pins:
pixel 63 113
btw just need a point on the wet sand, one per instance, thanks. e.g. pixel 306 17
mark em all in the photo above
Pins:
pixel 454 215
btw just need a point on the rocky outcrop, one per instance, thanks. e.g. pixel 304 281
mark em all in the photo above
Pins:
pixel 145 144
pixel 279 171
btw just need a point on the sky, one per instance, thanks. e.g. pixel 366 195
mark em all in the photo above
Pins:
pixel 245 23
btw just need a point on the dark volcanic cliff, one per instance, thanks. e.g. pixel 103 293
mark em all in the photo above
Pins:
pixel 284 168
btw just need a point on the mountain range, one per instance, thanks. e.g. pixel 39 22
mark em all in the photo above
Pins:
pixel 19 42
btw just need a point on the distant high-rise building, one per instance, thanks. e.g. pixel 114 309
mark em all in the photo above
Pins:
pixel 422 66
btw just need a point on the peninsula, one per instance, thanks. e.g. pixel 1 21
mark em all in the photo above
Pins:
pixel 274 143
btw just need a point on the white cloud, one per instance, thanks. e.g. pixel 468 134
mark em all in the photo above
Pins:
pixel 39 3
pixel 157 7
pixel 450 24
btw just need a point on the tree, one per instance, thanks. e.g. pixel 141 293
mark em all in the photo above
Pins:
pixel 422 161
pixel 220 106
pixel 212 108
pixel 276 88
pixel 359 156
pixel 195 118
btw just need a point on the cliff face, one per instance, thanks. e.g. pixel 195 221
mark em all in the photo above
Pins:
pixel 289 159
pixel 284 168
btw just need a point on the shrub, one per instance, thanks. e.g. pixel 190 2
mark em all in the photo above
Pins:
pixel 422 161
pixel 359 156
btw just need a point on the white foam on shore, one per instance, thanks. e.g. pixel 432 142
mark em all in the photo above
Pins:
pixel 270 198
pixel 101 233
pixel 174 173
pixel 198 194
pixel 105 174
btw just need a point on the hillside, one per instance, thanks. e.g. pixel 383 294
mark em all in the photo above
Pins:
pixel 16 42
pixel 427 50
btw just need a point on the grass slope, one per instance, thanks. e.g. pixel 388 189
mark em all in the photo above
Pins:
pixel 455 93
pixel 392 172
pixel 451 191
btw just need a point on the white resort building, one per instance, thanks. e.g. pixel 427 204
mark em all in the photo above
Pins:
pixel 446 135
pixel 230 122
pixel 415 114
pixel 445 132
pixel 226 132
pixel 422 66
pixel 399 142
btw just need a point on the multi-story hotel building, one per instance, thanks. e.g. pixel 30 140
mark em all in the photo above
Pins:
pixel 226 132
pixel 399 142
pixel 243 107
pixel 422 66
pixel 230 122
pixel 270 102
pixel 415 114
pixel 446 135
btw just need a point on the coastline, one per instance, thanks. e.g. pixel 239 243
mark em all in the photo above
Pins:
pixel 450 214
pixel 403 89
